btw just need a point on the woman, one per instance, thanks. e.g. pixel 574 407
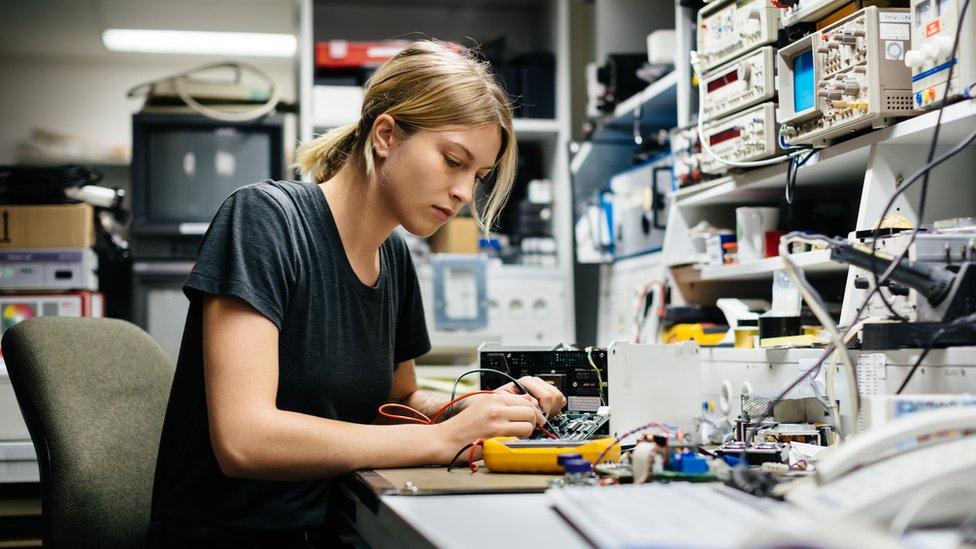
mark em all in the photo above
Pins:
pixel 305 314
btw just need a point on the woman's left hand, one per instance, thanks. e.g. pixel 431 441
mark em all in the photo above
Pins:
pixel 547 397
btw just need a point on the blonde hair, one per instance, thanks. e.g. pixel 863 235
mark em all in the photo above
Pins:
pixel 427 86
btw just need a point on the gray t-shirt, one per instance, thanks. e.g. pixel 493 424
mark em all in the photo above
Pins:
pixel 275 245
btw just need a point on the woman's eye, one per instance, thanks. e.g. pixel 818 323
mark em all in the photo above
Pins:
pixel 451 162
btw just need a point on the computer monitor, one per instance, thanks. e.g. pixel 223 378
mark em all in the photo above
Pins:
pixel 185 165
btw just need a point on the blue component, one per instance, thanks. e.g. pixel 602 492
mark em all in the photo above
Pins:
pixel 803 89
pixel 918 98
pixel 563 458
pixel 572 466
pixel 688 463
pixel 933 70
pixel 732 461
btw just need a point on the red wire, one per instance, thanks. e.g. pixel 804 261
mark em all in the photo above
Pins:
pixel 422 418
pixel 471 464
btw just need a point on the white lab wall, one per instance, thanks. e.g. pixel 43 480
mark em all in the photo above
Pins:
pixel 622 26
pixel 86 96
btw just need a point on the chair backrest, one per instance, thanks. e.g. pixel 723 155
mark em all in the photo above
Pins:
pixel 93 393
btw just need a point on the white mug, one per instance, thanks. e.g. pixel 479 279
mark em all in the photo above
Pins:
pixel 751 225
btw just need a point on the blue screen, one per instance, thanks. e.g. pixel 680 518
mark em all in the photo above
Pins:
pixel 803 81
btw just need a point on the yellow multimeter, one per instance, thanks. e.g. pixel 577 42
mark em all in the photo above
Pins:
pixel 514 455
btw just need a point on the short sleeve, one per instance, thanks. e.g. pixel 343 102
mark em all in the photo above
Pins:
pixel 412 339
pixel 247 253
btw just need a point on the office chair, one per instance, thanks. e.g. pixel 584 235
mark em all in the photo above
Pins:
pixel 93 393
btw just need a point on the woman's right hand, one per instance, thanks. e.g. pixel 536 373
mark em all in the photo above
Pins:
pixel 490 415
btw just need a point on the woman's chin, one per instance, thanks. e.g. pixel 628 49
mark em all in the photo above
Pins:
pixel 422 229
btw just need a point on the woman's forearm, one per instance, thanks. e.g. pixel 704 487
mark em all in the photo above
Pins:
pixel 281 445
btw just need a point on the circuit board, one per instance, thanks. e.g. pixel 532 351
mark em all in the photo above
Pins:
pixel 578 425
pixel 581 375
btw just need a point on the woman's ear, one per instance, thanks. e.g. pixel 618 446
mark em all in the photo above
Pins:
pixel 384 131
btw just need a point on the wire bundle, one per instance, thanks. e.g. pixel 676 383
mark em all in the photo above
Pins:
pixel 446 410
pixel 420 417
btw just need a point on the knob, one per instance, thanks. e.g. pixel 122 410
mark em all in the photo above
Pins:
pixel 745 72
pixel 914 59
pixel 943 46
pixel 897 289
pixel 930 50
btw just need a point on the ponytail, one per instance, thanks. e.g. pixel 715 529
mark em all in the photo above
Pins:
pixel 323 157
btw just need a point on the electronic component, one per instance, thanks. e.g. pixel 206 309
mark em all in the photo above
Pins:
pixel 934 24
pixel 619 79
pixel 16 308
pixel 748 135
pixel 639 207
pixel 845 77
pixel 935 294
pixel 513 455
pixel 570 371
pixel 686 156
pixel 792 432
pixel 882 409
pixel 726 30
pixel 580 426
pixel 739 84
pixel 49 269
pixel 930 250
pixel 756 453
pixel 809 11
pixel 638 394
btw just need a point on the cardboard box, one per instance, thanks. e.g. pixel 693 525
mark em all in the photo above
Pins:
pixel 47 226
pixel 458 236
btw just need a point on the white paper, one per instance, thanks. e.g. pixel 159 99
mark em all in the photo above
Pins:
pixel 894 31
pixel 895 17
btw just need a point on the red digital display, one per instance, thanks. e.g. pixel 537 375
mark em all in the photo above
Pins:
pixel 724 136
pixel 721 81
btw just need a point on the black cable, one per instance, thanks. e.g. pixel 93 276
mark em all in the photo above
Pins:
pixel 876 288
pixel 923 171
pixel 521 387
pixel 954 325
pixel 458 455
pixel 792 169
pixel 457 380
pixel 956 149
pixel 925 181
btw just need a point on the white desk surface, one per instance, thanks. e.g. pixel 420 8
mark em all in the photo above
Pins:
pixel 489 521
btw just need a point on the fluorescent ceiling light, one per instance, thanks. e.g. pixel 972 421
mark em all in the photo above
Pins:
pixel 254 44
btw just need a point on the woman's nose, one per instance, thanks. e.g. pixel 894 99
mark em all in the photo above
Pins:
pixel 463 191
